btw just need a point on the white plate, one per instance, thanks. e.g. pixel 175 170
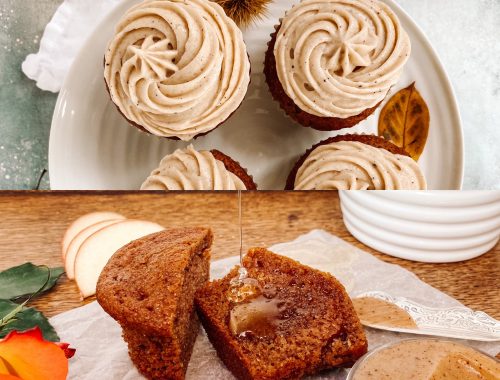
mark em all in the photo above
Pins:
pixel 93 148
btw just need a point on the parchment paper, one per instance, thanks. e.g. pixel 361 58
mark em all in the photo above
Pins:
pixel 102 353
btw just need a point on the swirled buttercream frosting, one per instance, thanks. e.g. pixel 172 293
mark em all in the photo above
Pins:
pixel 188 169
pixel 352 165
pixel 337 58
pixel 177 68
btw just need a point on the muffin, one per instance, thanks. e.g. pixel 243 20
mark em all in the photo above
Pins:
pixel 177 68
pixel 315 327
pixel 148 287
pixel 356 162
pixel 188 169
pixel 330 63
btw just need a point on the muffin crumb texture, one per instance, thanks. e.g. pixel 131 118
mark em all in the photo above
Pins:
pixel 318 326
pixel 148 287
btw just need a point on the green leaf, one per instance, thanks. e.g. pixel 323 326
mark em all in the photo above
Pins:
pixel 24 320
pixel 27 279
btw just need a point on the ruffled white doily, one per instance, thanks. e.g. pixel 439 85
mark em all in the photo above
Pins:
pixel 62 39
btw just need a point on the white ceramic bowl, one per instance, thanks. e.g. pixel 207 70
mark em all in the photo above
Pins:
pixel 428 226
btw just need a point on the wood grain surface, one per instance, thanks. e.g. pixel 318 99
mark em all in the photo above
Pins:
pixel 32 225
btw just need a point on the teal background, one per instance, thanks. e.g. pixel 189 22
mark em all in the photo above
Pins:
pixel 465 33
pixel 25 110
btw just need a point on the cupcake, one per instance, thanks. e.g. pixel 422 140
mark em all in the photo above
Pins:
pixel 330 63
pixel 188 169
pixel 356 162
pixel 177 68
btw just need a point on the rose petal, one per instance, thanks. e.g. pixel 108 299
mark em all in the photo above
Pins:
pixel 28 356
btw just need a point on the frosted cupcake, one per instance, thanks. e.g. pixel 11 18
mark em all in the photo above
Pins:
pixel 356 162
pixel 330 63
pixel 188 169
pixel 177 68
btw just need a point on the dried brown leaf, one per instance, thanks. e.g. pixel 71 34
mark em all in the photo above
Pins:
pixel 405 120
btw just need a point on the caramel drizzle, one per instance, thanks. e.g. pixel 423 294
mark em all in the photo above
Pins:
pixel 242 272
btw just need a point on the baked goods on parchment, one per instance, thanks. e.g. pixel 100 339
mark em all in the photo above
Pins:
pixel 314 326
pixel 148 287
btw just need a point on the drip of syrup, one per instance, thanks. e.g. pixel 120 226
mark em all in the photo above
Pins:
pixel 255 310
pixel 242 287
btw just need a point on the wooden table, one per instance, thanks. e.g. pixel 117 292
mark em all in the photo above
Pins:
pixel 32 225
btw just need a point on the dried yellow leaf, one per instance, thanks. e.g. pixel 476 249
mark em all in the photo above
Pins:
pixel 405 120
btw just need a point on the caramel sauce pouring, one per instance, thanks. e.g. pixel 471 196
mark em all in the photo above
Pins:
pixel 254 310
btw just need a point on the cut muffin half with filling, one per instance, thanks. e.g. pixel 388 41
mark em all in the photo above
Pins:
pixel 300 322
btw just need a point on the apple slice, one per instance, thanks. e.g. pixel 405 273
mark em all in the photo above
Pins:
pixel 97 249
pixel 74 246
pixel 83 222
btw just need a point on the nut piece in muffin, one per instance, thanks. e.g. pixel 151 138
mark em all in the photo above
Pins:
pixel 177 68
pixel 148 287
pixel 330 63
pixel 356 162
pixel 302 323
pixel 189 169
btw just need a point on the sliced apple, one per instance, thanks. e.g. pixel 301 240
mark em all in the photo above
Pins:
pixel 83 222
pixel 97 249
pixel 74 246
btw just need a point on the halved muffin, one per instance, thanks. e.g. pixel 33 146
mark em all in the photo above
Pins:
pixel 330 63
pixel 148 287
pixel 356 162
pixel 189 169
pixel 177 68
pixel 313 327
